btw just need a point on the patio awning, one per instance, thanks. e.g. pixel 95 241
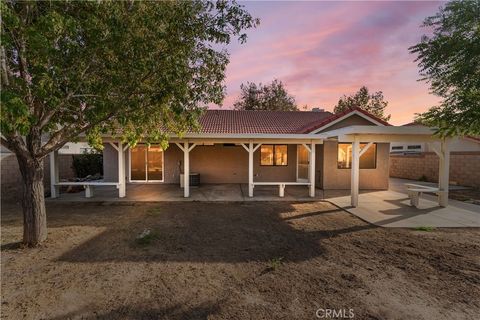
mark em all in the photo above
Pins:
pixel 382 134
pixel 368 135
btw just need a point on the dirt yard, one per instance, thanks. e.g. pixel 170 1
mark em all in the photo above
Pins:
pixel 234 261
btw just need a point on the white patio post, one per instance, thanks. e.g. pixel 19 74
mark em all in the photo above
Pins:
pixel 250 169
pixel 121 171
pixel 312 170
pixel 443 174
pixel 355 171
pixel 186 170
pixel 54 175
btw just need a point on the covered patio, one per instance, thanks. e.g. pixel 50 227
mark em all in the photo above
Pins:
pixel 360 138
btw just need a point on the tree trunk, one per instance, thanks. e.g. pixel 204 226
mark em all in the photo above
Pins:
pixel 33 201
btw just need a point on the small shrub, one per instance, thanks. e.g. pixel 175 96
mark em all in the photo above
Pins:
pixel 425 228
pixel 146 238
pixel 423 178
pixel 275 263
pixel 88 164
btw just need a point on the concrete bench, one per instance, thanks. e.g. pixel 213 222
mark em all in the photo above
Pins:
pixel 88 185
pixel 415 191
pixel 281 185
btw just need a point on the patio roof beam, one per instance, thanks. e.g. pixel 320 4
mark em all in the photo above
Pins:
pixel 355 173
pixel 364 149
pixel 307 147
pixel 380 138
pixel 251 150
pixel 121 170
pixel 113 145
pixel 312 169
pixel 443 173
pixel 54 175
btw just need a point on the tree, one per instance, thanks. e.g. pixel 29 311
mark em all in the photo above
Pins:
pixel 449 60
pixel 372 103
pixel 272 96
pixel 138 69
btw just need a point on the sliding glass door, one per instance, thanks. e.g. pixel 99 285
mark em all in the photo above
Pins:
pixel 146 163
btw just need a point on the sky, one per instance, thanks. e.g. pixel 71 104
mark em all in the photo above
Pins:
pixel 323 50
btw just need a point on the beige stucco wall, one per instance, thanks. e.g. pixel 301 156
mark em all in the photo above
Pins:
pixel 219 164
pixel 374 179
pixel 229 164
pixel 216 164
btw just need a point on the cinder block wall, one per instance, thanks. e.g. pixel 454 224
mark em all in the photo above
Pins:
pixel 11 179
pixel 464 167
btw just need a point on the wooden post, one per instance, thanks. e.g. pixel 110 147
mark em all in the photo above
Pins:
pixel 312 170
pixel 186 170
pixel 250 169
pixel 54 175
pixel 121 171
pixel 443 174
pixel 355 171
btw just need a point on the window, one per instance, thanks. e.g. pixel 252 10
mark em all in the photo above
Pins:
pixel 414 147
pixel 146 163
pixel 274 155
pixel 367 161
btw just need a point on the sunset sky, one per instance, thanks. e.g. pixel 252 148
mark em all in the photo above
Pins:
pixel 322 50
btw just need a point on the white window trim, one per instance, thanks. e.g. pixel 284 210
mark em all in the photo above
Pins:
pixel 348 115
pixel 146 168
pixel 308 172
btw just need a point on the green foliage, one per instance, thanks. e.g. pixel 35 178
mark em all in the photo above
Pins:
pixel 449 60
pixel 275 263
pixel 373 103
pixel 88 164
pixel 272 96
pixel 140 69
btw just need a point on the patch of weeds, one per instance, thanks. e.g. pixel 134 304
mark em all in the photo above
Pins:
pixel 273 265
pixel 154 211
pixel 146 238
pixel 425 228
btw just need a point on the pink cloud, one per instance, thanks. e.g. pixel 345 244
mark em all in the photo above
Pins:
pixel 322 50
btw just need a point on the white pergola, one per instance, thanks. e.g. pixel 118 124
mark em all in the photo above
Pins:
pixel 251 143
pixel 356 135
pixel 385 134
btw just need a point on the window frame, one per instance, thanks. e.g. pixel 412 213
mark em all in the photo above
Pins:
pixel 350 168
pixel 273 157
pixel 146 166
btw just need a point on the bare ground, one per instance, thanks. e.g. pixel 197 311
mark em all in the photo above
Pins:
pixel 234 261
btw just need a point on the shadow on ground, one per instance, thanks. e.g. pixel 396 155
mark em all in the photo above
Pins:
pixel 201 232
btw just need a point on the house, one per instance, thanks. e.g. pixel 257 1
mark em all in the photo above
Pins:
pixel 315 149
pixel 458 144
pixel 76 148
pixel 417 160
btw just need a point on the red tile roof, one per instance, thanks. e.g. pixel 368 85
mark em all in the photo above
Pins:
pixel 268 122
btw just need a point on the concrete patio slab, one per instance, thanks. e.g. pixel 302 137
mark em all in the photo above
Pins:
pixel 206 192
pixel 391 208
